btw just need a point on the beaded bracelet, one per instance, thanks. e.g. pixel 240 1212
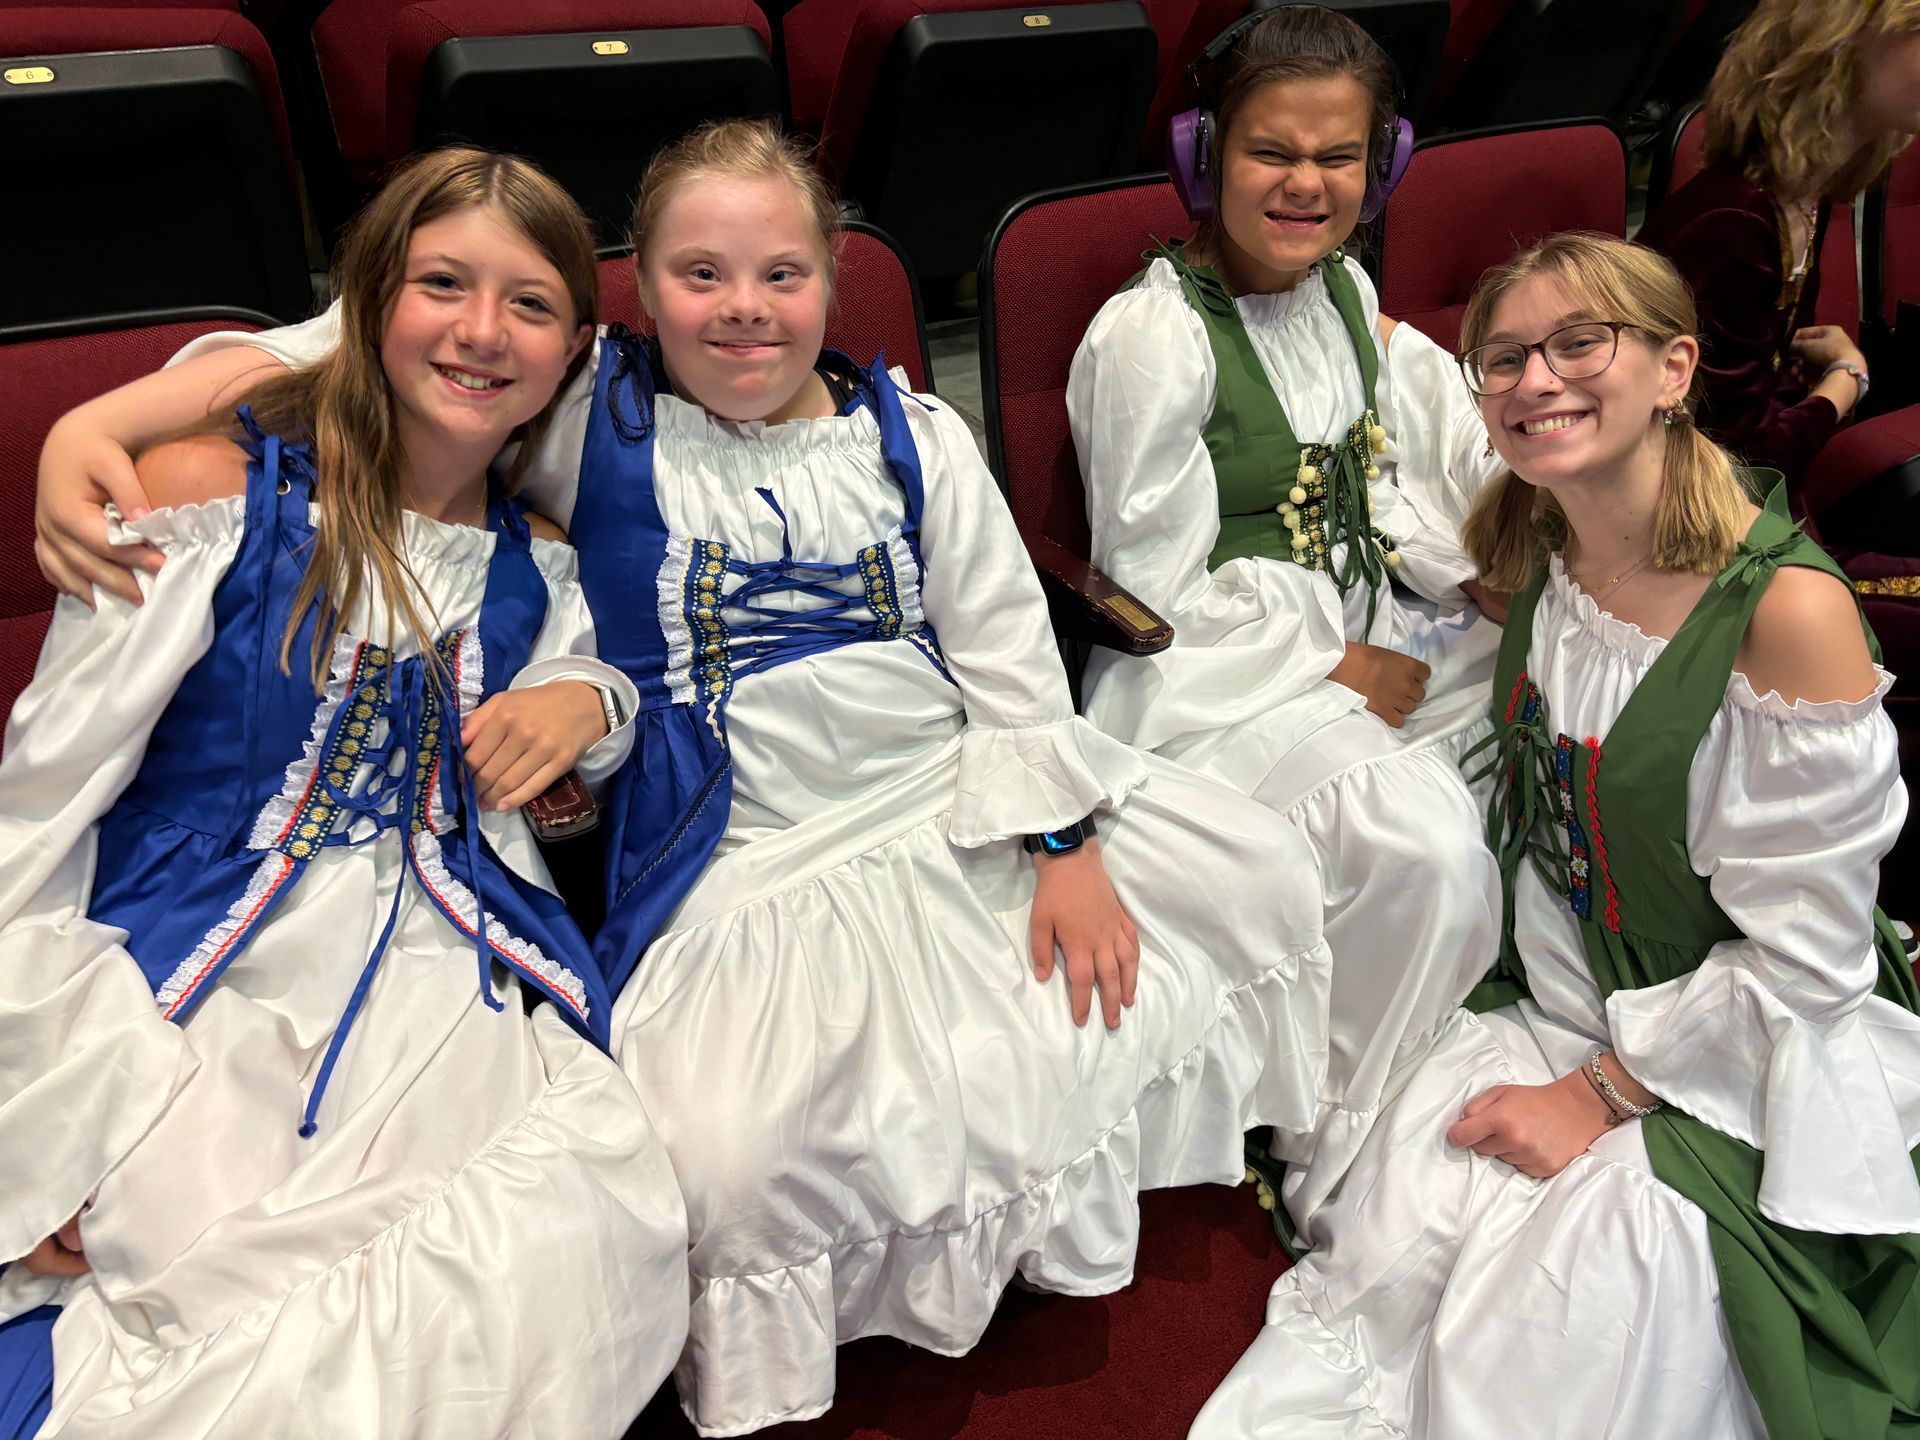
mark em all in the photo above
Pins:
pixel 1619 1108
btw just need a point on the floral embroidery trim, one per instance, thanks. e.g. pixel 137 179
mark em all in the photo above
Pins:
pixel 456 902
pixel 709 666
pixel 283 815
pixel 224 940
pixel 1611 912
pixel 1579 877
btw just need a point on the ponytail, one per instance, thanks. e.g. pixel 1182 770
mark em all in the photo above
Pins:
pixel 1703 504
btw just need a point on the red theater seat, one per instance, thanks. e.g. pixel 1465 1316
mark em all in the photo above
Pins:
pixel 587 87
pixel 1469 201
pixel 42 380
pixel 935 114
pixel 1052 263
pixel 149 166
pixel 876 309
pixel 1893 238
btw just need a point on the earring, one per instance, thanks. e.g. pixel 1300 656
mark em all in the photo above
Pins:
pixel 1488 452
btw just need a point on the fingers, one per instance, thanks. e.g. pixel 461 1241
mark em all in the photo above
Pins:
pixel 1472 1131
pixel 69 1235
pixel 112 470
pixel 1127 951
pixel 1106 971
pixel 1483 1100
pixel 1080 983
pixel 1040 943
pixel 525 778
pixel 52 1258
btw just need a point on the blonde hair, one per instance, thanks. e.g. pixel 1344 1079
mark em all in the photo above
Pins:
pixel 1702 511
pixel 344 406
pixel 742 149
pixel 1777 110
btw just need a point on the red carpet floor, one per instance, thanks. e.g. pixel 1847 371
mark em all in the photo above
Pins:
pixel 1137 1364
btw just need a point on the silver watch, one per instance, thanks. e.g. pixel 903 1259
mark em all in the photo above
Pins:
pixel 1859 376
pixel 609 705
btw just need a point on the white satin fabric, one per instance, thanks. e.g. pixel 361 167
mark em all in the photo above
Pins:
pixel 1454 1296
pixel 1411 893
pixel 484 1237
pixel 878 1115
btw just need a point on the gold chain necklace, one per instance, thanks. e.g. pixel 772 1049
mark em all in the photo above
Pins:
pixel 1614 584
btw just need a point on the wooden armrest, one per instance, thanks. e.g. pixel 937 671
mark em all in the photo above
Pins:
pixel 1088 606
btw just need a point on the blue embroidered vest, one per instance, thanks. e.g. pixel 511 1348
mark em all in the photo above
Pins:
pixel 246 778
pixel 684 618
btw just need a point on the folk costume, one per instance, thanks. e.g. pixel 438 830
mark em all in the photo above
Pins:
pixel 1259 470
pixel 297 1030
pixel 1690 872
pixel 851 713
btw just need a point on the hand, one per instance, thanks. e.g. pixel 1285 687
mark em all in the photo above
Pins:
pixel 1823 345
pixel 1394 684
pixel 59 1253
pixel 81 470
pixel 1492 603
pixel 1076 913
pixel 521 741
pixel 1537 1129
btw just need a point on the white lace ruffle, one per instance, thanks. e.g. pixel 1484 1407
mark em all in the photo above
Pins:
pixel 672 590
pixel 268 876
pixel 270 826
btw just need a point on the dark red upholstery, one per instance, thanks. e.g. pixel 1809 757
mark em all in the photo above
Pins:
pixel 1900 238
pixel 1838 302
pixel 869 27
pixel 1053 265
pixel 1469 201
pixel 78 30
pixel 42 380
pixel 1208 19
pixel 372 53
pixel 875 311
pixel 1856 454
pixel 1688 161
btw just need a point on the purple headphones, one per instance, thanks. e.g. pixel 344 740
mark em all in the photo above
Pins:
pixel 1192 137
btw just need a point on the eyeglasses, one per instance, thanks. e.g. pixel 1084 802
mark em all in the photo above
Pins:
pixel 1576 352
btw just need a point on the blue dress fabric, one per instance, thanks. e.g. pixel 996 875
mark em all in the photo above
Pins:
pixel 26 1372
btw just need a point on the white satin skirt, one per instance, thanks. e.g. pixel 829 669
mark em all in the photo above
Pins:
pixel 879 1116
pixel 1453 1298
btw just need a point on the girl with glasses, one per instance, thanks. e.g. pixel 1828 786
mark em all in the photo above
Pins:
pixel 1281 472
pixel 1657 1178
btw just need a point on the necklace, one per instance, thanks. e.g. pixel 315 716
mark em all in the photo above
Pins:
pixel 473 515
pixel 1614 584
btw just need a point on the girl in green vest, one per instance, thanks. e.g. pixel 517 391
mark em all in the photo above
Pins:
pixel 1265 454
pixel 1663 1184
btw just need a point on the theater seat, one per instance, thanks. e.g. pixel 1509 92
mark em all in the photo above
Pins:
pixel 876 310
pixel 146 162
pixel 1543 60
pixel 940 112
pixel 589 88
pixel 1891 260
pixel 42 380
pixel 1469 201
pixel 1053 261
pixel 1677 156
pixel 1412 32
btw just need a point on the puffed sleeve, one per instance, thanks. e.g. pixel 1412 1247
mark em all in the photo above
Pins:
pixel 1730 259
pixel 87 1064
pixel 1247 637
pixel 550 478
pixel 1777 1039
pixel 1436 461
pixel 1028 764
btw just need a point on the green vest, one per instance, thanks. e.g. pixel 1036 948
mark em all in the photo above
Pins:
pixel 1279 498
pixel 1826 1327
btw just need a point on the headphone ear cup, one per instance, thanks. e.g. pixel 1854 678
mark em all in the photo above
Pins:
pixel 1395 153
pixel 1190 160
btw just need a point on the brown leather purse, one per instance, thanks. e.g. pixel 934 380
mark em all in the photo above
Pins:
pixel 564 809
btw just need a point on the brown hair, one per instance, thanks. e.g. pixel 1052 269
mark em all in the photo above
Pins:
pixel 343 404
pixel 1296 42
pixel 1777 110
pixel 1703 500
pixel 746 149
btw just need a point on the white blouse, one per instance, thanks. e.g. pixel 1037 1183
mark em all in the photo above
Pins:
pixel 1777 1039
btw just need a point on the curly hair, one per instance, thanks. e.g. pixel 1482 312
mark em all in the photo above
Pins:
pixel 1777 107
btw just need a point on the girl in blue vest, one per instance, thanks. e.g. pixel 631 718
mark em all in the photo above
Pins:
pixel 1265 454
pixel 307 1124
pixel 1658 1179
pixel 881 873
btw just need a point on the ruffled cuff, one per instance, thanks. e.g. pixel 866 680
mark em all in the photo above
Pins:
pixel 1038 778
pixel 1835 1107
pixel 609 752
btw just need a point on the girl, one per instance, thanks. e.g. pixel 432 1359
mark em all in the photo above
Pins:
pixel 1807 107
pixel 860 811
pixel 1298 674
pixel 288 1163
pixel 1667 1190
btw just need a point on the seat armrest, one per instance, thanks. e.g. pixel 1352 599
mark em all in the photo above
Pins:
pixel 1088 606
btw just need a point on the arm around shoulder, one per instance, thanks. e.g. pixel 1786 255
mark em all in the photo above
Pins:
pixel 1806 642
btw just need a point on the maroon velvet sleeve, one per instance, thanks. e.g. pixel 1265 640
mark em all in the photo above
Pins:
pixel 1730 258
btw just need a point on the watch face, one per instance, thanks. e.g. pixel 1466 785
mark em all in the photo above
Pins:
pixel 1062 842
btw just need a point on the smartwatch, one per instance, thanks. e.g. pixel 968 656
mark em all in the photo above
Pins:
pixel 1859 376
pixel 609 705
pixel 1060 842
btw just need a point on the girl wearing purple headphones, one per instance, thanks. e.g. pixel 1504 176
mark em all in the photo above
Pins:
pixel 1265 455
